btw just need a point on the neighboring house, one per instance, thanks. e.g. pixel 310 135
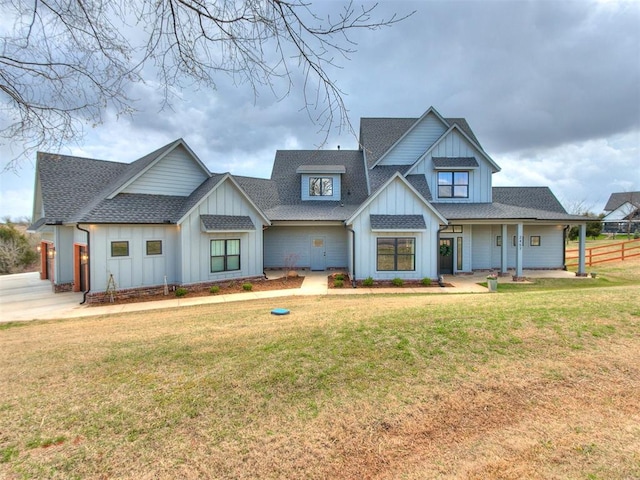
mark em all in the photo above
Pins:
pixel 622 213
pixel 415 201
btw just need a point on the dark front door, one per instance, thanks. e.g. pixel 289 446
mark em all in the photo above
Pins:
pixel 446 255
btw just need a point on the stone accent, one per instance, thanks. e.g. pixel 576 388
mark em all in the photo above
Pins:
pixel 63 287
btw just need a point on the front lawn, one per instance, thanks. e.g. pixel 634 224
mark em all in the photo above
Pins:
pixel 542 385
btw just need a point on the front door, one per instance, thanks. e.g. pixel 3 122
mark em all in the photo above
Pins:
pixel 446 255
pixel 318 253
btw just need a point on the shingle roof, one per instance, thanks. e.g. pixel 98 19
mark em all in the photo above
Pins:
pixel 134 208
pixel 70 183
pixel 511 203
pixel 455 162
pixel 312 211
pixel 262 191
pixel 381 173
pixel 377 135
pixel 227 222
pixel 419 182
pixel 287 204
pixel 397 222
pixel 619 198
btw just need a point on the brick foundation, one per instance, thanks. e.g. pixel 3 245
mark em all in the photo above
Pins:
pixel 142 292
pixel 63 287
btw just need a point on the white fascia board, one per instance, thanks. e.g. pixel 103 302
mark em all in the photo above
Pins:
pixel 225 177
pixel 395 176
pixel 441 139
pixel 429 110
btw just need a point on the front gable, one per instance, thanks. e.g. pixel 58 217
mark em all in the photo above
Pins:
pixel 396 197
pixel 416 140
pixel 176 171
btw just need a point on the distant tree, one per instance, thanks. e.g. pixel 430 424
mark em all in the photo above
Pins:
pixel 16 252
pixel 594 227
pixel 63 62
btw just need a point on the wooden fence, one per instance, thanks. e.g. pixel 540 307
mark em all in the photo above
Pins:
pixel 612 252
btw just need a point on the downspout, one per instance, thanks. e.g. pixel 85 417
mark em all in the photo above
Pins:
pixel 353 255
pixel 84 294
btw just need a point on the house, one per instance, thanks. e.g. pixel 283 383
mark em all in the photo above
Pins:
pixel 622 213
pixel 415 200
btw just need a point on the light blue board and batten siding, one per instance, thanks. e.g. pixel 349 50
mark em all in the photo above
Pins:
pixel 452 146
pixel 486 254
pixel 295 242
pixel 416 142
pixel 137 269
pixel 396 199
pixel 175 174
pixel 196 244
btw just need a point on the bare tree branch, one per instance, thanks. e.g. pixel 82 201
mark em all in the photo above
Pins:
pixel 64 62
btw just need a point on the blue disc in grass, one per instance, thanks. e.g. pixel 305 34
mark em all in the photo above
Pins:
pixel 279 311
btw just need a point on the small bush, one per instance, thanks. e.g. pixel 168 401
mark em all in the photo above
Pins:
pixel 247 287
pixel 397 282
pixel 368 282
pixel 426 281
pixel 338 283
pixel 339 277
pixel 214 289
pixel 181 292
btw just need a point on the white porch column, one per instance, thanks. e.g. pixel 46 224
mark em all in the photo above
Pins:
pixel 503 250
pixel 519 247
pixel 581 250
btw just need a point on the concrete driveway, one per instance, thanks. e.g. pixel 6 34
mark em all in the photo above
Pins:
pixel 25 297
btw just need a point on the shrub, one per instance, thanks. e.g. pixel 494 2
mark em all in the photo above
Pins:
pixel 181 292
pixel 214 289
pixel 247 287
pixel 397 282
pixel 339 277
pixel 15 251
pixel 426 281
pixel 368 282
pixel 338 283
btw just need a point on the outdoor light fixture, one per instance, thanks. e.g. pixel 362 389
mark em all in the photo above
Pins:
pixel 84 257
pixel 51 252
pixel 39 248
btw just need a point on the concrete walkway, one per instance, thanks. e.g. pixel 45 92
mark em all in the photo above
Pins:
pixel 26 297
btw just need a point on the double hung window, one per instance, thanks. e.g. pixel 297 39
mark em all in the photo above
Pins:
pixel 225 255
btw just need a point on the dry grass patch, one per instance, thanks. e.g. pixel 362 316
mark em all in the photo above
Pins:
pixel 543 385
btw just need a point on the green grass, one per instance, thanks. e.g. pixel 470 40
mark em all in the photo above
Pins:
pixel 235 391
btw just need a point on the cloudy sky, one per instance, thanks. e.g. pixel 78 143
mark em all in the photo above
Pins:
pixel 551 89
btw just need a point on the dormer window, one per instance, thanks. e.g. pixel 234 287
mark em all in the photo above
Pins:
pixel 453 184
pixel 321 182
pixel 320 186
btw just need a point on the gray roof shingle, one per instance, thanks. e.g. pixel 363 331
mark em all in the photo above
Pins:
pixel 455 162
pixel 227 222
pixel 377 135
pixel 397 222
pixel 620 198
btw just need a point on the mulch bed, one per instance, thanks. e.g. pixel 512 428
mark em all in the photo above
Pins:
pixel 259 285
pixel 382 283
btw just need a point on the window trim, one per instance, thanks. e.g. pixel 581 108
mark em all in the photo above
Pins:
pixel 534 241
pixel 453 184
pixel 396 254
pixel 226 256
pixel 322 183
pixel 113 244
pixel 146 248
pixel 498 240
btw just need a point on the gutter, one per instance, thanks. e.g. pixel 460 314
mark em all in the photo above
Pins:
pixel 84 294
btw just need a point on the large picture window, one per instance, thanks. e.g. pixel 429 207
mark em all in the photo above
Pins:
pixel 320 186
pixel 453 184
pixel 225 255
pixel 396 254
